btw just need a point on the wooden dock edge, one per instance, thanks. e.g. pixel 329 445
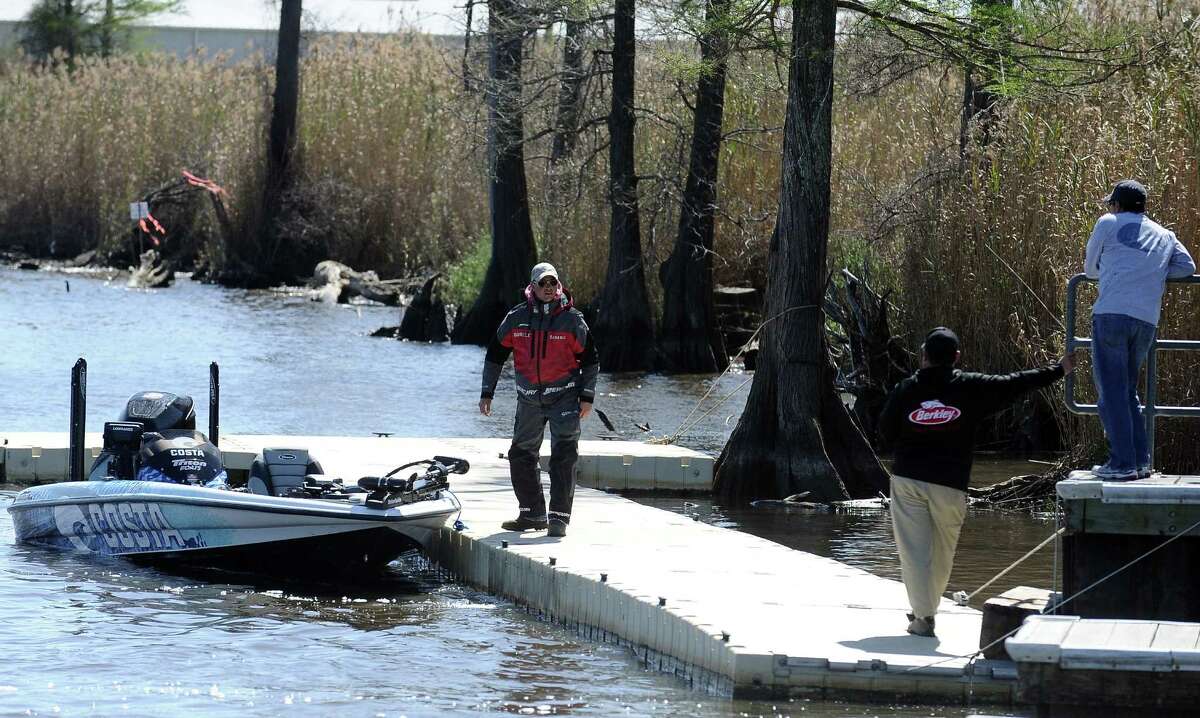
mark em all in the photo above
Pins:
pixel 676 643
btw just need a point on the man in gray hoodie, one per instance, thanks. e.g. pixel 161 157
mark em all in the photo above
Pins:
pixel 1132 256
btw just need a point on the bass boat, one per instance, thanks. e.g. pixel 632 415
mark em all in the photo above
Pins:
pixel 158 492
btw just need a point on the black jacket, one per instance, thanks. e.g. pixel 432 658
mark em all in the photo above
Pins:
pixel 930 418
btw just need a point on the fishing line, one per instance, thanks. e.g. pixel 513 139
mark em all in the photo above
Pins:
pixel 684 425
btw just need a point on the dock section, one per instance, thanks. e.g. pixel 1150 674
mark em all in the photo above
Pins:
pixel 1147 530
pixel 629 466
pixel 726 610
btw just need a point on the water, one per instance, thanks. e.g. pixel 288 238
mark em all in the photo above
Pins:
pixel 990 540
pixel 88 637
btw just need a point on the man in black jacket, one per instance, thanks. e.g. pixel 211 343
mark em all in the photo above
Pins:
pixel 930 421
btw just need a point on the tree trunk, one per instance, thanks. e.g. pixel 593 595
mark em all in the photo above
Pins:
pixel 566 123
pixel 624 329
pixel 425 318
pixel 106 30
pixel 979 105
pixel 558 205
pixel 794 430
pixel 276 262
pixel 691 341
pixel 73 27
pixel 513 250
pixel 877 361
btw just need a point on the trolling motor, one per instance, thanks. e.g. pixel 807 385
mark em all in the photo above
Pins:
pixel 390 490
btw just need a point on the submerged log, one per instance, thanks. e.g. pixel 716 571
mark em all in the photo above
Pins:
pixel 154 272
pixel 1032 492
pixel 335 282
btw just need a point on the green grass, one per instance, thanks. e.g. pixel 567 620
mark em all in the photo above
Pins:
pixel 465 277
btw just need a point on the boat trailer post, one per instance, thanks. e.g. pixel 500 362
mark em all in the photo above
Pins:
pixel 78 414
pixel 214 402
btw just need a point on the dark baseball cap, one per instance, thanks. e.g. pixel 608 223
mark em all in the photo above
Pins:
pixel 1128 194
pixel 941 346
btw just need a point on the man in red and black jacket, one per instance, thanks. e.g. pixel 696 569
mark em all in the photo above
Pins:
pixel 930 420
pixel 556 370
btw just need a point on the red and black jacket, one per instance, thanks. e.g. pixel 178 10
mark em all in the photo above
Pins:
pixel 552 351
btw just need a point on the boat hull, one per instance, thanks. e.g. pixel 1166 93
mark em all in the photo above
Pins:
pixel 160 522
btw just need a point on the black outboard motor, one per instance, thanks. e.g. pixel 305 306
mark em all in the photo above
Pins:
pixel 160 411
pixel 156 440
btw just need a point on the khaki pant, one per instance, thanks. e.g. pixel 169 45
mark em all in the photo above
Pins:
pixel 926 519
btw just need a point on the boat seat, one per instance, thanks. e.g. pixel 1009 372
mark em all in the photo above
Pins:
pixel 276 472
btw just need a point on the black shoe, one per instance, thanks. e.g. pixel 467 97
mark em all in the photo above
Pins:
pixel 523 524
pixel 557 529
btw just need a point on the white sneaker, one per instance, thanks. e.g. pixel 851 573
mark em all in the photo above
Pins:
pixel 922 627
pixel 1145 472
pixel 1108 473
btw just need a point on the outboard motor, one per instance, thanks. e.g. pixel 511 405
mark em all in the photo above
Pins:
pixel 156 440
pixel 160 411
pixel 187 458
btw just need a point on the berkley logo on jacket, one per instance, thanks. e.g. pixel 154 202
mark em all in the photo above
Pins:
pixel 934 412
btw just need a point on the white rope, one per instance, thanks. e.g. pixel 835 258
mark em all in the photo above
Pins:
pixel 962 597
pixel 1054 585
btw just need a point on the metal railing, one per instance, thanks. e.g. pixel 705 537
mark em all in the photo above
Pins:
pixel 1150 410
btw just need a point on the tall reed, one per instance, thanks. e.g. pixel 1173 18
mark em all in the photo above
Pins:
pixel 392 170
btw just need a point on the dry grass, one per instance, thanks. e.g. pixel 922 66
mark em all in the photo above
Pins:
pixel 392 160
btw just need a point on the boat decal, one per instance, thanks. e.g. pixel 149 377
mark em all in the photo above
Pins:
pixel 121 527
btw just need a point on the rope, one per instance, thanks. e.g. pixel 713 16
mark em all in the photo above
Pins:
pixel 962 597
pixel 971 656
pixel 1054 571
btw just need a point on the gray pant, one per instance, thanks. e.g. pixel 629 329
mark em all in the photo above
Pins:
pixel 523 455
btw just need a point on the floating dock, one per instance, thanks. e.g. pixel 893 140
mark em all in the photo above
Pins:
pixel 1148 531
pixel 728 611
pixel 1067 660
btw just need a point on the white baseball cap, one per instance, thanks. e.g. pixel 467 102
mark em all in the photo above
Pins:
pixel 542 270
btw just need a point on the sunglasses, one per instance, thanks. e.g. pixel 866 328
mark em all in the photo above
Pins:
pixel 548 282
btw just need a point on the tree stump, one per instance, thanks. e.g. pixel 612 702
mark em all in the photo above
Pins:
pixel 425 318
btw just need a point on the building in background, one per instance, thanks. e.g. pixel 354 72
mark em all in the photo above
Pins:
pixel 244 28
